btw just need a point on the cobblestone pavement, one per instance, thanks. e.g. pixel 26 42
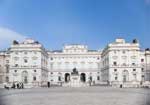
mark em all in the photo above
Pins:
pixel 76 96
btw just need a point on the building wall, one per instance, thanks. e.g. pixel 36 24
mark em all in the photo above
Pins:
pixel 74 56
pixel 30 59
pixel 28 63
pixel 121 62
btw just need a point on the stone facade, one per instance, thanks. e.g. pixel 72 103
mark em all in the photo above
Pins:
pixel 120 63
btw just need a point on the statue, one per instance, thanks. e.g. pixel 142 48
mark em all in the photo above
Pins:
pixel 74 71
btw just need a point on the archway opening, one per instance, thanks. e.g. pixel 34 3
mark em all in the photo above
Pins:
pixel 83 77
pixel 67 77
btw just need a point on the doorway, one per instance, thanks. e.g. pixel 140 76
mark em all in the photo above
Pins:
pixel 67 77
pixel 83 77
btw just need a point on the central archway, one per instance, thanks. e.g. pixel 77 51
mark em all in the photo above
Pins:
pixel 67 77
pixel 83 77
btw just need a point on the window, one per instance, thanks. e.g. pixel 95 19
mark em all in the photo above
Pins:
pixel 34 70
pixel 134 69
pixel 35 52
pixel 143 78
pixel 16 65
pixel 16 53
pixel 115 63
pixel 7 79
pixel 124 64
pixel 98 77
pixel 59 78
pixel 123 51
pixel 115 69
pixel 7 68
pixel 16 58
pixel 34 78
pixel 51 72
pixel 116 78
pixel 142 60
pixel 15 71
pixel 25 79
pixel 51 58
pixel 142 69
pixel 7 61
pixel 34 58
pixel 25 52
pixel 25 60
pixel 133 64
pixel 134 75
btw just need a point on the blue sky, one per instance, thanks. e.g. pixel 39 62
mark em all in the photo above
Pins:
pixel 57 22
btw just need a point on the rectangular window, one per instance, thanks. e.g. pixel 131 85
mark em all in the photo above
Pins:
pixel 98 78
pixel 142 60
pixel 115 63
pixel 25 60
pixel 134 75
pixel 59 78
pixel 34 78
pixel 134 69
pixel 116 78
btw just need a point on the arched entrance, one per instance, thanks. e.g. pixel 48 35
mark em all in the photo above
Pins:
pixel 83 77
pixel 25 77
pixel 67 77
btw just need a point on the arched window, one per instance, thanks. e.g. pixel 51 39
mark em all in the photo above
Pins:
pixel 125 75
pixel 25 77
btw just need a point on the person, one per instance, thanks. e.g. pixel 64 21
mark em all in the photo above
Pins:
pixel 90 82
pixel 13 86
pixel 17 85
pixel 48 84
pixel 22 86
pixel 120 85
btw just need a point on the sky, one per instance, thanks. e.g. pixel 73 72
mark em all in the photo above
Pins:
pixel 94 23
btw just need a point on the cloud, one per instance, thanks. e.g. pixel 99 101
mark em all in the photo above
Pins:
pixel 7 36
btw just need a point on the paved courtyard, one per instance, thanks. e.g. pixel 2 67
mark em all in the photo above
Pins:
pixel 76 96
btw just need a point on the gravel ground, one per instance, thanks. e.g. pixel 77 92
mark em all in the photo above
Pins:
pixel 76 96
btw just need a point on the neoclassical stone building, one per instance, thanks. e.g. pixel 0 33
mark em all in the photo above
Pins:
pixel 75 65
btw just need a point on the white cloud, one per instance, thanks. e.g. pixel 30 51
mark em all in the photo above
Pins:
pixel 7 36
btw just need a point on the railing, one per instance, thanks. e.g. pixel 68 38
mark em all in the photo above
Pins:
pixel 32 66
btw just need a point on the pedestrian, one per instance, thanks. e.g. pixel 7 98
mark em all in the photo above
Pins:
pixel 48 84
pixel 17 85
